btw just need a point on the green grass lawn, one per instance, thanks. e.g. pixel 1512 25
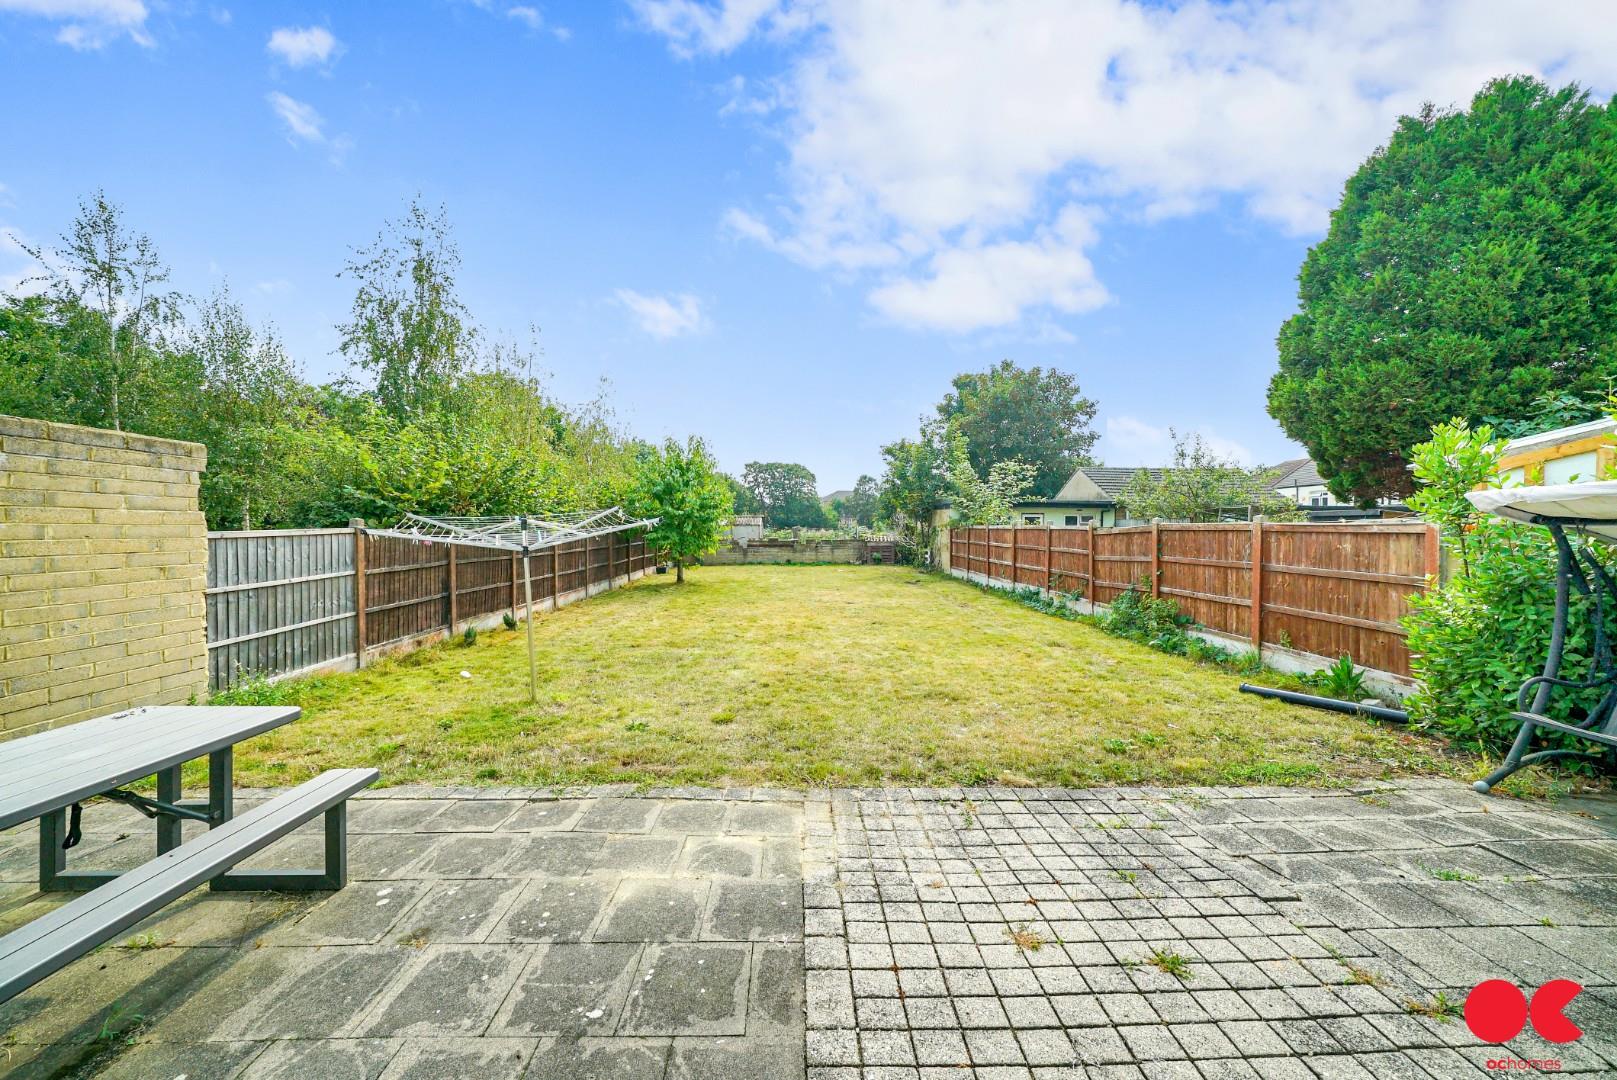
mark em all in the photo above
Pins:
pixel 804 675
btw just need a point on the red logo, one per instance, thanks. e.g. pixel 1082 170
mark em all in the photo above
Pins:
pixel 1496 1011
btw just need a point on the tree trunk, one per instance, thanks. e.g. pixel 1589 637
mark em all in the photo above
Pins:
pixel 679 572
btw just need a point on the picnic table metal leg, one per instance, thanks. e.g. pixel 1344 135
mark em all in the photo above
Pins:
pixel 334 875
pixel 52 856
pixel 337 846
pixel 54 876
pixel 221 797
pixel 169 828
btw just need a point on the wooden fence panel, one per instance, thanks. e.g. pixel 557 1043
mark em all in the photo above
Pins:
pixel 278 602
pixel 571 567
pixel 1031 556
pixel 1341 589
pixel 406 589
pixel 1330 590
pixel 1069 560
pixel 1122 561
pixel 1207 571
pixel 997 550
pixel 482 582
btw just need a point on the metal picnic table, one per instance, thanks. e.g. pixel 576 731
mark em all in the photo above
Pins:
pixel 50 775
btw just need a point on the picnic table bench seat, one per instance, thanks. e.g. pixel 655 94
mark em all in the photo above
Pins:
pixel 48 943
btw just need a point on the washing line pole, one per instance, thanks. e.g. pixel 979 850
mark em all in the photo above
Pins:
pixel 527 599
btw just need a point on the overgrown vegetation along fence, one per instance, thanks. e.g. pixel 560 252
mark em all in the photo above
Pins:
pixel 298 600
pixel 1323 589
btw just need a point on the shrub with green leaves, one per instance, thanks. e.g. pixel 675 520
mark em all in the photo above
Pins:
pixel 1476 639
pixel 1139 616
pixel 1342 680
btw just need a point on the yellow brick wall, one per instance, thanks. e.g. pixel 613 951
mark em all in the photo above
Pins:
pixel 103 561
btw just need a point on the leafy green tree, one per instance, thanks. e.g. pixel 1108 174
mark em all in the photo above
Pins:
pixel 109 290
pixel 861 506
pixel 745 501
pixel 409 329
pixel 1455 460
pixel 913 484
pixel 681 485
pixel 448 430
pixel 250 409
pixel 49 361
pixel 1202 486
pixel 985 500
pixel 1470 269
pixel 1033 415
pixel 1548 411
pixel 787 493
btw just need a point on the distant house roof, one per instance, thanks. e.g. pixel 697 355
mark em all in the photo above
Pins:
pixel 747 519
pixel 827 500
pixel 1111 479
pixel 1301 472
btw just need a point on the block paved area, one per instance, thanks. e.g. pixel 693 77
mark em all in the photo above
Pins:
pixel 1197 933
pixel 990 933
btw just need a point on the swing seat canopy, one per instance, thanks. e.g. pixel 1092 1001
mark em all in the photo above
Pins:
pixel 1591 508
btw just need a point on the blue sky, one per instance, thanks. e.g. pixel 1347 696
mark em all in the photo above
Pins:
pixel 781 225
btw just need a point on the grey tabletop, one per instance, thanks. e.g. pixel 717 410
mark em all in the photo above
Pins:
pixel 56 768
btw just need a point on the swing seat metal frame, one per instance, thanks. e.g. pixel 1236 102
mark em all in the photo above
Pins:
pixel 1577 569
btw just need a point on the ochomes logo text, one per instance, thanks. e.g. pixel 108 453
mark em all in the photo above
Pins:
pixel 1496 1011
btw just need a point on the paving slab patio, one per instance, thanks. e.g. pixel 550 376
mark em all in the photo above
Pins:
pixel 989 933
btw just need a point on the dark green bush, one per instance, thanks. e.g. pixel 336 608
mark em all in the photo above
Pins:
pixel 1484 633
pixel 1152 620
pixel 1475 640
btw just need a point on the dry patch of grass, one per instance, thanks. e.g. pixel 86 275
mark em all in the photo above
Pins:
pixel 809 675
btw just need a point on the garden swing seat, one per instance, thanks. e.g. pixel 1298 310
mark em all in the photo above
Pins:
pixel 1588 510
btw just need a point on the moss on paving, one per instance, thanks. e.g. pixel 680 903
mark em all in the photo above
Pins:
pixel 808 675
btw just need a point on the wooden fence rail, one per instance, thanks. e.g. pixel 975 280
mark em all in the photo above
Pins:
pixel 296 600
pixel 1323 589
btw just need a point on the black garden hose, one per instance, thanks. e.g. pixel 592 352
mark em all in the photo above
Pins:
pixel 1380 712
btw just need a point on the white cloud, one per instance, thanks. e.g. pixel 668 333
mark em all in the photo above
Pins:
pixel 88 24
pixel 1128 440
pixel 305 124
pixel 528 15
pixel 693 26
pixel 968 288
pixel 302 46
pixel 915 131
pixel 664 317
pixel 1229 449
